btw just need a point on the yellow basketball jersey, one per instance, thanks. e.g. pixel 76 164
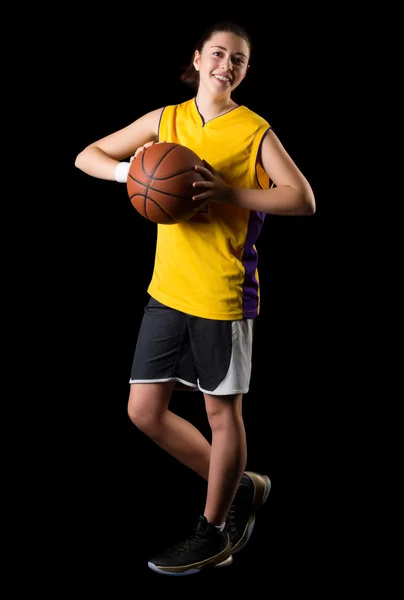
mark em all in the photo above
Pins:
pixel 207 266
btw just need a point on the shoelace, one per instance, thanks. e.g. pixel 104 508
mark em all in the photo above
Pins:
pixel 243 494
pixel 231 516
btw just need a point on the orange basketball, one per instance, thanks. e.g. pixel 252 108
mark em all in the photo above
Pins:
pixel 160 182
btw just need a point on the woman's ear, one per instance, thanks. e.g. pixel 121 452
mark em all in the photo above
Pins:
pixel 197 58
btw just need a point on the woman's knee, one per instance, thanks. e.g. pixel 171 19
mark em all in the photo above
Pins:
pixel 147 404
pixel 223 410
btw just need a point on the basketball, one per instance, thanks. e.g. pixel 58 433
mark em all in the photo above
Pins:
pixel 160 182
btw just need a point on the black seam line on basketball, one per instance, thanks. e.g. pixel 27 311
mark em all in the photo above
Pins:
pixel 151 179
pixel 171 176
pixel 148 187
pixel 160 207
pixel 158 163
pixel 146 197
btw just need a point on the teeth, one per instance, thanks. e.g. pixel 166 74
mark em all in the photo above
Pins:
pixel 222 78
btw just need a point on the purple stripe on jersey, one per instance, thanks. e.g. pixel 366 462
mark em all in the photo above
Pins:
pixel 158 127
pixel 250 260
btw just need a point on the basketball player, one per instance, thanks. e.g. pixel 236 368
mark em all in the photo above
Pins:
pixel 197 329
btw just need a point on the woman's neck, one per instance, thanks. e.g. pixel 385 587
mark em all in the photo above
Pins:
pixel 211 107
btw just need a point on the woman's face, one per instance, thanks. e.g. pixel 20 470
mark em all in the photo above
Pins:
pixel 223 62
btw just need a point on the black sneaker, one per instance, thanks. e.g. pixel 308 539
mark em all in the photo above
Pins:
pixel 205 546
pixel 250 496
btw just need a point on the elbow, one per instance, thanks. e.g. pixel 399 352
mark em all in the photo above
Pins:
pixel 308 203
pixel 77 162
pixel 83 157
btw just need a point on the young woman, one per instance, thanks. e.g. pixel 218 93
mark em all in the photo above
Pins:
pixel 197 329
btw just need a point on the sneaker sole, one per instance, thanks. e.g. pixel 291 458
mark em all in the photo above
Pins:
pixel 214 561
pixel 262 487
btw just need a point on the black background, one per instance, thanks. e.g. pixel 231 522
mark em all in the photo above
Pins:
pixel 121 498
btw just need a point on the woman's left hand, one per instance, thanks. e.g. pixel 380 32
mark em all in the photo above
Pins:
pixel 213 188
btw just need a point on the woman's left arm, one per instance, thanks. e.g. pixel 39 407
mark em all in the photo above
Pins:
pixel 292 195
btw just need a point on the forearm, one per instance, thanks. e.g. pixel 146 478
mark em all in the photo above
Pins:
pixel 96 163
pixel 282 200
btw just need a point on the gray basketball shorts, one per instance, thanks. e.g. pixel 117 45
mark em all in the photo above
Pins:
pixel 202 354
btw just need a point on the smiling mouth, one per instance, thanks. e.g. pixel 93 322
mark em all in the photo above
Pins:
pixel 222 78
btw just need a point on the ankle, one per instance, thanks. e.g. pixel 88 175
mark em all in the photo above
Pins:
pixel 216 523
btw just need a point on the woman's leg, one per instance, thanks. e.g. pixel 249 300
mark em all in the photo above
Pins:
pixel 148 410
pixel 228 454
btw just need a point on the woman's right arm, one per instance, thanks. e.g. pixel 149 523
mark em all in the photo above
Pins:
pixel 101 158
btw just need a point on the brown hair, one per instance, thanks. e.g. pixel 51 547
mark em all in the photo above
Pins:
pixel 191 75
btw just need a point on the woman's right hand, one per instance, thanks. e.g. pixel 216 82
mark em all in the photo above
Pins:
pixel 141 148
